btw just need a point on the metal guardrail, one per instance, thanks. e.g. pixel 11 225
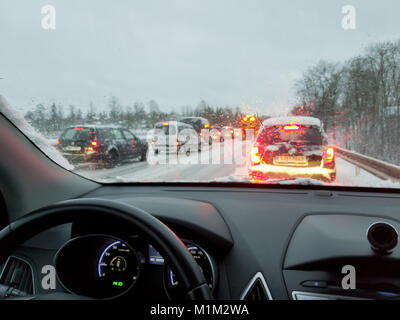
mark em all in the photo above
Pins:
pixel 381 169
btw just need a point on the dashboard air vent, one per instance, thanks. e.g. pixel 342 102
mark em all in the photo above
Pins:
pixel 256 293
pixel 257 289
pixel 16 278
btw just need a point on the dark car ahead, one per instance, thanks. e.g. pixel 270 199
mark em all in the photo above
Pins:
pixel 100 144
pixel 292 147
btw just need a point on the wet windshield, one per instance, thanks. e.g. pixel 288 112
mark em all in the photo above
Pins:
pixel 294 92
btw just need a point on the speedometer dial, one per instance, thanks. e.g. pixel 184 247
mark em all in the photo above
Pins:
pixel 206 264
pixel 98 266
pixel 118 267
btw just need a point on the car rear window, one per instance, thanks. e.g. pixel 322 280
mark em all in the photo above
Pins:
pixel 105 133
pixel 292 134
pixel 195 123
pixel 166 129
pixel 78 133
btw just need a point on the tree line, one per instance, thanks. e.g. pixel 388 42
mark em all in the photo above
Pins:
pixel 52 119
pixel 358 100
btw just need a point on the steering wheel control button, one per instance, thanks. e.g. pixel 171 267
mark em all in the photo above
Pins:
pixel 314 284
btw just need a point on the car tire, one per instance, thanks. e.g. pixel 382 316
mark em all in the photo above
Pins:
pixel 143 156
pixel 112 159
pixel 187 152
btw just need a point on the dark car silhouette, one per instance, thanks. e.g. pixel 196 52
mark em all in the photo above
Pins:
pixel 106 144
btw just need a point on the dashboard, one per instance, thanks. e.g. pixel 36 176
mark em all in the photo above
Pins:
pixel 293 243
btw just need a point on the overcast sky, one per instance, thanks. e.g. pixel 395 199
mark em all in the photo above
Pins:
pixel 246 52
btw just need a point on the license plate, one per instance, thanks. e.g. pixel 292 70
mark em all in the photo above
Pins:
pixel 72 148
pixel 291 159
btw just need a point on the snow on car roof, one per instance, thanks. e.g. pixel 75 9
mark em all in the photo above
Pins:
pixel 172 122
pixel 102 126
pixel 307 121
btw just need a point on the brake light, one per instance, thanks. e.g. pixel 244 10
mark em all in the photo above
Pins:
pixel 329 154
pixel 291 127
pixel 165 123
pixel 78 128
pixel 255 157
pixel 177 142
pixel 93 143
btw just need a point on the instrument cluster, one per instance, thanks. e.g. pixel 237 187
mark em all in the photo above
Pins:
pixel 105 267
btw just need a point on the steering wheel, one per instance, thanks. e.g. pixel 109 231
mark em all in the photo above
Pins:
pixel 169 245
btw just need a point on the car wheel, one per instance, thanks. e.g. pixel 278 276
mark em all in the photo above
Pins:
pixel 188 152
pixel 143 156
pixel 111 159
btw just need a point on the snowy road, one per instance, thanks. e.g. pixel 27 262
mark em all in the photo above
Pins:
pixel 220 162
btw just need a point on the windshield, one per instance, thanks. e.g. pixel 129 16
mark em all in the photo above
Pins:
pixel 271 92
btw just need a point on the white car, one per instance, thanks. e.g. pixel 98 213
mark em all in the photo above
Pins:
pixel 174 137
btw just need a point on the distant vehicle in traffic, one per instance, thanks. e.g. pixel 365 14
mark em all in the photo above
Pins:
pixel 216 133
pixel 201 126
pixel 292 147
pixel 228 132
pixel 175 137
pixel 100 144
pixel 250 122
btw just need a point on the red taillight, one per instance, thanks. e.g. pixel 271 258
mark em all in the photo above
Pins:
pixel 255 157
pixel 78 128
pixel 177 142
pixel 329 154
pixel 93 143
